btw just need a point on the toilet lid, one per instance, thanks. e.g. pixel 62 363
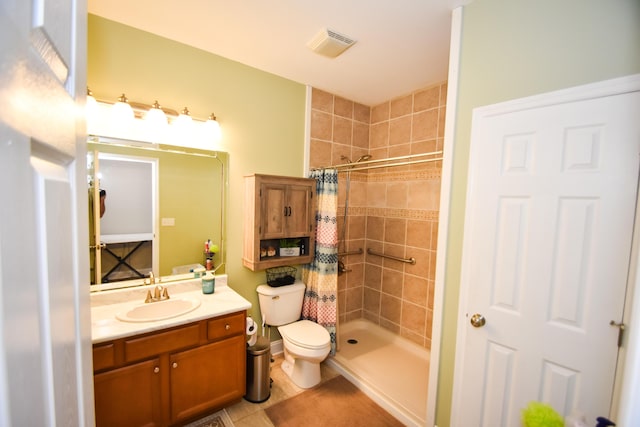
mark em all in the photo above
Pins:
pixel 305 333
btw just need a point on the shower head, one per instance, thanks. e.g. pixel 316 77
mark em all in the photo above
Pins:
pixel 363 158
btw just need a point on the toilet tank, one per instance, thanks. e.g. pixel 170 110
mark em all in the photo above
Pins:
pixel 281 305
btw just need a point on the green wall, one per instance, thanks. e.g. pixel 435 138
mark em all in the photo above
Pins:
pixel 261 115
pixel 513 49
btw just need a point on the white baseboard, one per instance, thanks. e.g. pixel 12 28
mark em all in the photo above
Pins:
pixel 276 347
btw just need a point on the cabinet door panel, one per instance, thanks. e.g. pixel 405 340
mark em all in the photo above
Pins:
pixel 207 377
pixel 299 219
pixel 129 396
pixel 273 200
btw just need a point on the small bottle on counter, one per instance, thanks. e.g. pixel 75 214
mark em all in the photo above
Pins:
pixel 198 272
pixel 208 283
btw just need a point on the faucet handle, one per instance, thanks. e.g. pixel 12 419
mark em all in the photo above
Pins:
pixel 148 298
pixel 165 293
pixel 157 292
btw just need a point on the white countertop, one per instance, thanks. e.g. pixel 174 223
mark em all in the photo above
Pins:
pixel 106 304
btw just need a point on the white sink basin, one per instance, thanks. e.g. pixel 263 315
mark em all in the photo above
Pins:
pixel 154 311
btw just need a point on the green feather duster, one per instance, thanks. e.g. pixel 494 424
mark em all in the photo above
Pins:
pixel 541 415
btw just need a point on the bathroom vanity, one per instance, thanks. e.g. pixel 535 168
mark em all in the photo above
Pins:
pixel 170 371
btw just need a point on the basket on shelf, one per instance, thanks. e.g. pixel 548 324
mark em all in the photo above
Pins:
pixel 281 276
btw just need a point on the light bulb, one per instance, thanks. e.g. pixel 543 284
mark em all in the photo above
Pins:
pixel 155 116
pixel 91 111
pixel 182 128
pixel 213 127
pixel 122 114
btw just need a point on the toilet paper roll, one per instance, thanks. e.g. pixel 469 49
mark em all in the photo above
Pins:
pixel 252 328
pixel 251 331
pixel 252 341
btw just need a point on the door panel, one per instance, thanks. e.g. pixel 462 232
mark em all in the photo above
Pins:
pixel 274 201
pixel 550 210
pixel 129 396
pixel 299 203
pixel 43 287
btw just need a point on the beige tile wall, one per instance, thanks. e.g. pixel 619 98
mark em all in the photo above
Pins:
pixel 390 210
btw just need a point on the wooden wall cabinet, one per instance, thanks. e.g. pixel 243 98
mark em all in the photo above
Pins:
pixel 277 209
pixel 171 376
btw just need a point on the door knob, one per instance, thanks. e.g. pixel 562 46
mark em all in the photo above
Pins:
pixel 478 320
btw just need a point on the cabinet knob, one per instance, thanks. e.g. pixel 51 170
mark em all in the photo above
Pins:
pixel 156 370
pixel 174 365
pixel 227 327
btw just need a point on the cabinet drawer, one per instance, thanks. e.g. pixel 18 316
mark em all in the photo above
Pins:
pixel 104 356
pixel 162 342
pixel 222 327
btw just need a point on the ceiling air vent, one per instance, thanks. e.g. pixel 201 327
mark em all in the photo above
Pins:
pixel 330 43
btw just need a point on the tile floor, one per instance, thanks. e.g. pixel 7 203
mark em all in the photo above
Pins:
pixel 247 414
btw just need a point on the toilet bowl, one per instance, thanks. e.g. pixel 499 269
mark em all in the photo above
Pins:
pixel 305 343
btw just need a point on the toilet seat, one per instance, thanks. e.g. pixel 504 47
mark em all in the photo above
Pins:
pixel 305 334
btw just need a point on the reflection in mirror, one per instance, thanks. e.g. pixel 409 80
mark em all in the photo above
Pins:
pixel 162 204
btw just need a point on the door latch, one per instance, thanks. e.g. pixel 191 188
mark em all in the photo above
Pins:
pixel 620 327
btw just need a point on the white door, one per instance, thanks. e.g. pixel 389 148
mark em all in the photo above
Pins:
pixel 548 230
pixel 45 326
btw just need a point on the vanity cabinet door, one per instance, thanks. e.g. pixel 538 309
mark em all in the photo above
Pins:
pixel 129 396
pixel 207 377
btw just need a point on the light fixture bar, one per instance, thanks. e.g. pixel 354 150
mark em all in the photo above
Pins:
pixel 140 108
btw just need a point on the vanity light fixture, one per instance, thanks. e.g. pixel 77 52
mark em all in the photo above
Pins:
pixel 157 123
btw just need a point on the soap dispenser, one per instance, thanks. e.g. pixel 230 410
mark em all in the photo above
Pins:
pixel 208 283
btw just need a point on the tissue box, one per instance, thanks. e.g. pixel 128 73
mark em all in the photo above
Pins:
pixel 290 251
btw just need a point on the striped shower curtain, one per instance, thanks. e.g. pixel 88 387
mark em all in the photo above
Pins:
pixel 321 276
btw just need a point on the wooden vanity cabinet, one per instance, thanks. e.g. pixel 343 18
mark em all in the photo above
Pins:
pixel 218 377
pixel 171 376
pixel 278 208
pixel 130 395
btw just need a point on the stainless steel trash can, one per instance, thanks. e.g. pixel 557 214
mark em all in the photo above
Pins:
pixel 258 371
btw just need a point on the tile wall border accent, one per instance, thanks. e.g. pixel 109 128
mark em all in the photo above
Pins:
pixel 411 175
pixel 417 214
pixel 430 174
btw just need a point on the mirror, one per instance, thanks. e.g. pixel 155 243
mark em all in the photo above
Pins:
pixel 159 206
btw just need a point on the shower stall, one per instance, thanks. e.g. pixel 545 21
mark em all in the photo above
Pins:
pixel 389 162
pixel 384 282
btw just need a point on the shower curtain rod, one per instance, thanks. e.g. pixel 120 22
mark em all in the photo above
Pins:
pixel 370 164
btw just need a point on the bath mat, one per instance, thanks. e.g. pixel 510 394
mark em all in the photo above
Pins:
pixel 218 419
pixel 335 402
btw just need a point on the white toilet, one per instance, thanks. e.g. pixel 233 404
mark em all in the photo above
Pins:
pixel 305 343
